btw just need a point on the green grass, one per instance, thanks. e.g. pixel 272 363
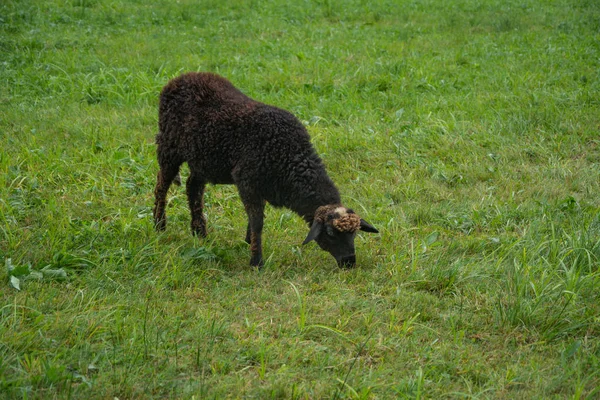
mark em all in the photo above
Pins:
pixel 466 131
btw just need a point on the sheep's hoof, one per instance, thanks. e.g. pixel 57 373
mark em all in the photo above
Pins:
pixel 199 232
pixel 257 263
pixel 160 225
pixel 198 228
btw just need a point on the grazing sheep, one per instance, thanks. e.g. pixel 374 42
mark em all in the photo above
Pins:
pixel 226 137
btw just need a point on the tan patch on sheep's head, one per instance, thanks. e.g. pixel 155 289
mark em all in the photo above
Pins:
pixel 347 223
pixel 342 211
pixel 340 217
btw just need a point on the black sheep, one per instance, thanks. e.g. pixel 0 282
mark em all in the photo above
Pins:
pixel 228 138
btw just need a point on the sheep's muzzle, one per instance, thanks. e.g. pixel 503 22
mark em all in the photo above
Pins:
pixel 347 262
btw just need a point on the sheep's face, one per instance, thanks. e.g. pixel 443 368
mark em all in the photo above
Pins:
pixel 334 229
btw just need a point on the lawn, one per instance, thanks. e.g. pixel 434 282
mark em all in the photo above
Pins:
pixel 466 131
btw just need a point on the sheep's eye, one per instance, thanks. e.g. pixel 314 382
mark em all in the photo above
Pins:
pixel 329 230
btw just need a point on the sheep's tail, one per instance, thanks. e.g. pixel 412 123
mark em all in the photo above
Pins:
pixel 177 179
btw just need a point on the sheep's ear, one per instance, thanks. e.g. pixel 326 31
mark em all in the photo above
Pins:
pixel 315 229
pixel 367 227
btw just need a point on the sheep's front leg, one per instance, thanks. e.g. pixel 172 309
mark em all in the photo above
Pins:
pixel 255 220
pixel 164 179
pixel 248 234
pixel 195 193
pixel 255 208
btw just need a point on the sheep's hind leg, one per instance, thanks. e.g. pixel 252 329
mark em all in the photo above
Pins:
pixel 195 192
pixel 164 179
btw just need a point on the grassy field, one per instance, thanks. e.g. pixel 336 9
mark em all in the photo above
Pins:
pixel 466 131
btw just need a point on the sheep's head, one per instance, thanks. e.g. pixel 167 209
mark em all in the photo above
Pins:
pixel 334 228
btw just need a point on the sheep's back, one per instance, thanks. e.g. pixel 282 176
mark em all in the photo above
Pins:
pixel 218 130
